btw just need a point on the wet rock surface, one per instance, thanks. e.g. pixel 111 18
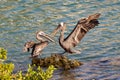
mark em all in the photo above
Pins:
pixel 59 61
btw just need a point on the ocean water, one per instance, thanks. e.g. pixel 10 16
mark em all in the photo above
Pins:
pixel 100 48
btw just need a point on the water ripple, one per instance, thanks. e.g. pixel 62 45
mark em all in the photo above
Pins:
pixel 20 19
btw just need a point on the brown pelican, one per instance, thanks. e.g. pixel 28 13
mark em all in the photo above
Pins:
pixel 37 47
pixel 82 27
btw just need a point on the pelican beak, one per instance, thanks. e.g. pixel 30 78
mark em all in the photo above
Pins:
pixel 61 26
pixel 48 37
pixel 55 31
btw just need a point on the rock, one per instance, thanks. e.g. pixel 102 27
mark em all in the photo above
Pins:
pixel 59 61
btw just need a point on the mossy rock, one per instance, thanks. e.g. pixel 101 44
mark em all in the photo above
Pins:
pixel 59 61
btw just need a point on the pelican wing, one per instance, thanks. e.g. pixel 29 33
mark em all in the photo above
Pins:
pixel 39 47
pixel 75 36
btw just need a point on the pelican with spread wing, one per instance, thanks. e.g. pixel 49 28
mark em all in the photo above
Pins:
pixel 82 27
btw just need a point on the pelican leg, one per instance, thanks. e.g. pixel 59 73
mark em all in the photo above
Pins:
pixel 40 56
pixel 66 53
pixel 33 56
pixel 63 53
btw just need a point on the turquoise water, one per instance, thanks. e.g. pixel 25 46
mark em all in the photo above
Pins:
pixel 20 19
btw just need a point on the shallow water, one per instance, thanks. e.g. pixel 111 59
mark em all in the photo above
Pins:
pixel 20 19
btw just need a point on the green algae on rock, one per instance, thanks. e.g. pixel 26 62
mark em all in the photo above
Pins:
pixel 59 61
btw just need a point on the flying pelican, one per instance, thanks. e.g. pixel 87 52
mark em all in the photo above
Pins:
pixel 37 47
pixel 82 27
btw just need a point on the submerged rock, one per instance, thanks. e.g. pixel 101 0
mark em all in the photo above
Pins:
pixel 59 61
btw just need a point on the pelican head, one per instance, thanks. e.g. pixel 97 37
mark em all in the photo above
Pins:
pixel 40 35
pixel 61 26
